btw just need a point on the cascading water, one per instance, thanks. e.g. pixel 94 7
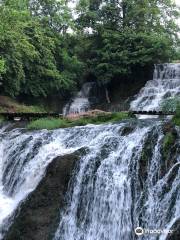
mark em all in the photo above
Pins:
pixel 23 160
pixel 111 195
pixel 122 180
pixel 81 102
pixel 165 84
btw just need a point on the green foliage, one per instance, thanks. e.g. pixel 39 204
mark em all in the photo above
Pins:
pixel 170 104
pixel 47 123
pixel 121 52
pixel 2 66
pixel 168 142
pixel 40 56
pixel 53 123
pixel 176 121
pixel 29 109
pixel 9 105
pixel 33 50
pixel 127 34
pixel 176 118
pixel 178 110
pixel 54 14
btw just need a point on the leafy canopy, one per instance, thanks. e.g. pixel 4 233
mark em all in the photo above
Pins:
pixel 33 48
pixel 109 39
pixel 125 34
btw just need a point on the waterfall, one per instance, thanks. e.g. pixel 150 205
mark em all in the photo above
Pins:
pixel 123 179
pixel 24 157
pixel 165 84
pixel 112 193
pixel 112 190
pixel 80 103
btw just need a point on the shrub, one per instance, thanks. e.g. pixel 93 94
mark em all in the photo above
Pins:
pixel 176 118
pixel 170 104
pixel 54 123
pixel 168 141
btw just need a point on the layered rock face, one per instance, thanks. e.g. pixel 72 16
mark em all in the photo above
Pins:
pixel 38 216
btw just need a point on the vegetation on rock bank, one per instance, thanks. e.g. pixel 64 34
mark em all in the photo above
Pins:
pixel 7 104
pixel 176 118
pixel 168 141
pixel 54 123
pixel 172 104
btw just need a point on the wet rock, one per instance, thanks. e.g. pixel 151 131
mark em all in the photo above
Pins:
pixel 170 148
pixel 146 156
pixel 169 128
pixel 38 217
pixel 127 130
pixel 176 231
pixel 15 125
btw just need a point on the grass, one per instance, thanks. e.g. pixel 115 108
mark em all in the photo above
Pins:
pixel 8 104
pixel 54 123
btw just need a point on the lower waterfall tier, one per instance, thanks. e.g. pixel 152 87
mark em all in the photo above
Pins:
pixel 92 182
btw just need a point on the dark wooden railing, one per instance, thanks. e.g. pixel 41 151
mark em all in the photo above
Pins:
pixel 159 113
pixel 29 116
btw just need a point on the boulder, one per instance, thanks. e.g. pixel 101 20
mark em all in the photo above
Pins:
pixel 38 216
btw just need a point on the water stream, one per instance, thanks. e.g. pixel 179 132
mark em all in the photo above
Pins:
pixel 80 103
pixel 165 84
pixel 122 180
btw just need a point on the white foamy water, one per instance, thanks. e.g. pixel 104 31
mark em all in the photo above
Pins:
pixel 109 195
pixel 80 103
pixel 165 84
pixel 23 160
pixel 122 180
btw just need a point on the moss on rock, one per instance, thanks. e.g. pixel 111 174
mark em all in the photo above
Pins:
pixel 168 141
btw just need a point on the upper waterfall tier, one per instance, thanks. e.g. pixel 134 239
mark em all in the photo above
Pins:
pixel 80 103
pixel 165 84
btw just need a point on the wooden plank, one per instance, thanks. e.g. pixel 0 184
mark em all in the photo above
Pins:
pixel 28 116
pixel 159 113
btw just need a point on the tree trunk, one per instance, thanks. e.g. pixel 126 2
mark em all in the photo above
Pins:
pixel 107 96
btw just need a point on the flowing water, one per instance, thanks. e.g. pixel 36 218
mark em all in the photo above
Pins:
pixel 165 84
pixel 80 103
pixel 122 181
pixel 113 193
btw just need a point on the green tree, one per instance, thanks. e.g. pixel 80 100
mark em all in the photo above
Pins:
pixel 34 51
pixel 126 34
pixel 2 66
pixel 55 14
